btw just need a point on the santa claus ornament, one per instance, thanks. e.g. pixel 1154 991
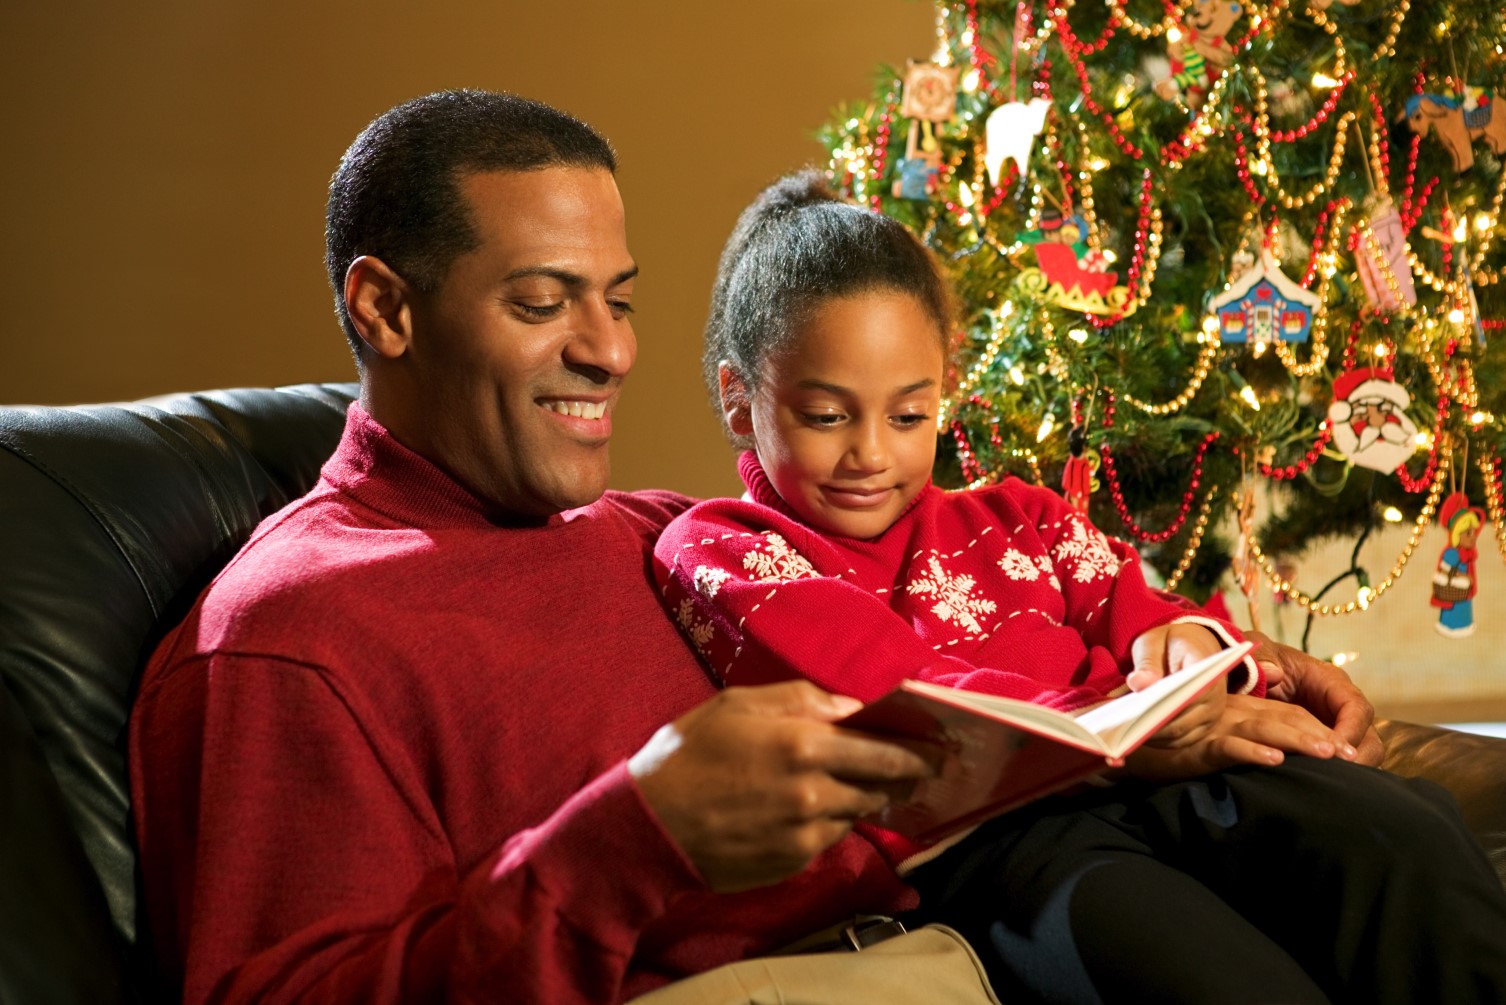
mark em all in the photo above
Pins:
pixel 1370 423
pixel 1454 579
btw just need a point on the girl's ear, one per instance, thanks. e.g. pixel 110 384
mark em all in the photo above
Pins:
pixel 737 408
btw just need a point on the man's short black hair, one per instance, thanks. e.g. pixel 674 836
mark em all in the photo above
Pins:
pixel 396 193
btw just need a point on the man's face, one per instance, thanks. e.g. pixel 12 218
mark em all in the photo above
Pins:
pixel 518 358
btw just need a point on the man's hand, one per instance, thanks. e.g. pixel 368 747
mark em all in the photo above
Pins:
pixel 1324 690
pixel 756 782
pixel 1247 731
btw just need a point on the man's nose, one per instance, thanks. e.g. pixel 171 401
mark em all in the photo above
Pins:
pixel 602 343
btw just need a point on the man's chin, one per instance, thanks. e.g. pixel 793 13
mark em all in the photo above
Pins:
pixel 581 490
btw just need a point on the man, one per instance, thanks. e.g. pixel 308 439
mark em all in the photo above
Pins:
pixel 408 745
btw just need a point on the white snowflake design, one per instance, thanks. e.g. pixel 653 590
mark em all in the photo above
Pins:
pixel 1020 566
pixel 774 560
pixel 1049 570
pixel 709 579
pixel 1086 553
pixel 699 632
pixel 955 602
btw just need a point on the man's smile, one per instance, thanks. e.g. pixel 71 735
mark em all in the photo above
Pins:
pixel 577 408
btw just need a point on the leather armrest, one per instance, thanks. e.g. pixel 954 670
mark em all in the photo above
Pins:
pixel 1471 767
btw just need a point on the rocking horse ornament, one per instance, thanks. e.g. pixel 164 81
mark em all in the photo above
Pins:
pixel 1458 122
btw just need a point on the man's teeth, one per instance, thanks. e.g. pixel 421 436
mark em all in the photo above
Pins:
pixel 578 409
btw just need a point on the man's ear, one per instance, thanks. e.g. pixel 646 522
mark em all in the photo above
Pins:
pixel 380 306
pixel 737 407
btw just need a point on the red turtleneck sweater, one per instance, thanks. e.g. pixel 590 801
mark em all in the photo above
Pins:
pixel 383 760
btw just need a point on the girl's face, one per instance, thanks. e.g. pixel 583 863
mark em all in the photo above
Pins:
pixel 844 420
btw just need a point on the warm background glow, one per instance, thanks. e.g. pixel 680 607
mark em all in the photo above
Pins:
pixel 162 189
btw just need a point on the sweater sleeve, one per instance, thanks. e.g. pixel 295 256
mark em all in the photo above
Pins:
pixel 763 599
pixel 286 859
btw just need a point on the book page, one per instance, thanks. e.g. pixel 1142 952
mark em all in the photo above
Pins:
pixel 1126 720
pixel 1062 725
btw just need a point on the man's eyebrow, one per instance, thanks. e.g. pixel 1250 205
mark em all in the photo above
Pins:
pixel 821 385
pixel 565 276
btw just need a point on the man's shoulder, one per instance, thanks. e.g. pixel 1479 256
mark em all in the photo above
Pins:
pixel 298 559
pixel 650 509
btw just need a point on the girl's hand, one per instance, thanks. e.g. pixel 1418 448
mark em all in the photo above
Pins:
pixel 1167 649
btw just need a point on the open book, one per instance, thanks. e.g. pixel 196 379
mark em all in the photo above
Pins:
pixel 1001 753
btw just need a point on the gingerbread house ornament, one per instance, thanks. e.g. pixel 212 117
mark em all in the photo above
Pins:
pixel 1264 305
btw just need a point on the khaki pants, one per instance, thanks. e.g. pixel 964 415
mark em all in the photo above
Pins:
pixel 929 966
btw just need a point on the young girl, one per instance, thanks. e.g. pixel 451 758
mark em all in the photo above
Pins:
pixel 1311 881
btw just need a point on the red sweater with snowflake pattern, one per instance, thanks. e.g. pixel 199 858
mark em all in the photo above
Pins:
pixel 1005 590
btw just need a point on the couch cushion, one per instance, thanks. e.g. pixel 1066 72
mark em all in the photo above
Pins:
pixel 112 518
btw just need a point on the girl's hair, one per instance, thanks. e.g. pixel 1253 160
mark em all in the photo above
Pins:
pixel 794 248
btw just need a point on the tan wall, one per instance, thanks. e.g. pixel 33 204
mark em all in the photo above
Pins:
pixel 162 189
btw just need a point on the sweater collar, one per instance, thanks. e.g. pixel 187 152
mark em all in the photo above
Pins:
pixel 378 471
pixel 762 491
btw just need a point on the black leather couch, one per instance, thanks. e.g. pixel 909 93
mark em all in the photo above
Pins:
pixel 112 518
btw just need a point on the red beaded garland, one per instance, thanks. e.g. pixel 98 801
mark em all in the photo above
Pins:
pixel 1116 491
pixel 1318 241
pixel 1292 135
pixel 1423 483
pixel 881 149
pixel 1137 258
pixel 1290 471
pixel 1075 51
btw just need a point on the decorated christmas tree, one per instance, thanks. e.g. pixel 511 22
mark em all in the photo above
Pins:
pixel 1212 254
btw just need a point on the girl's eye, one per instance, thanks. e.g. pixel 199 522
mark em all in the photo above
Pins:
pixel 823 420
pixel 911 420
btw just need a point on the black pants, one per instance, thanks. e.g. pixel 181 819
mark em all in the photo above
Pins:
pixel 1315 881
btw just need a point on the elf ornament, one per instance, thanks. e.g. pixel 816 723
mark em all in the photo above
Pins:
pixel 1454 579
pixel 1198 51
pixel 1369 419
pixel 921 166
